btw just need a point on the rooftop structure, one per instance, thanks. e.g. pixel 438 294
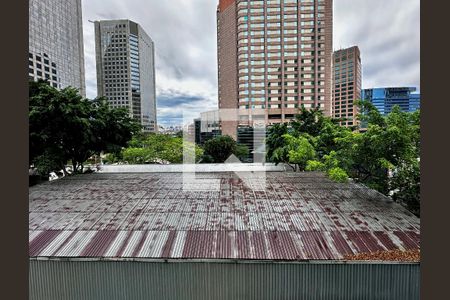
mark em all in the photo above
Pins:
pixel 298 217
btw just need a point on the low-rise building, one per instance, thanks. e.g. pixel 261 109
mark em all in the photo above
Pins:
pixel 144 235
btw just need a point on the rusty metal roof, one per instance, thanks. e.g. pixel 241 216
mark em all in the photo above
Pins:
pixel 299 216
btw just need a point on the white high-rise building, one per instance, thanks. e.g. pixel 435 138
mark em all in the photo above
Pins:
pixel 126 69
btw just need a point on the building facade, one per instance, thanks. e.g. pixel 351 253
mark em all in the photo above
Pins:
pixel 384 99
pixel 207 126
pixel 273 57
pixel 346 85
pixel 126 69
pixel 56 51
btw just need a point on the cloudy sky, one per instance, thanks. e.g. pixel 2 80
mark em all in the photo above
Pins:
pixel 184 32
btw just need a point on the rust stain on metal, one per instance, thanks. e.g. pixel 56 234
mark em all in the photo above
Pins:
pixel 299 216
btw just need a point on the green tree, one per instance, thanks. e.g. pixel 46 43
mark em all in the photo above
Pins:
pixel 219 149
pixel 337 174
pixel 309 121
pixel 112 127
pixel 242 152
pixel 65 127
pixel 406 185
pixel 384 157
pixel 157 148
pixel 388 143
pixel 296 152
pixel 320 131
pixel 275 139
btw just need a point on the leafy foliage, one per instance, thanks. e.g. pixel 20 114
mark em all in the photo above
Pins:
pixel 314 165
pixel 384 157
pixel 219 149
pixel 275 138
pixel 309 121
pixel 64 127
pixel 241 152
pixel 296 152
pixel 337 174
pixel 156 148
pixel 406 185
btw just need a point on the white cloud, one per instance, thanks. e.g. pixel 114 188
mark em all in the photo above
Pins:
pixel 388 35
pixel 184 32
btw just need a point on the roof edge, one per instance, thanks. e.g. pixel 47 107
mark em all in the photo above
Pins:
pixel 221 261
pixel 224 4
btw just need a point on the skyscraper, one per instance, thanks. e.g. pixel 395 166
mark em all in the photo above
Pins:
pixel 384 99
pixel 346 85
pixel 273 57
pixel 126 69
pixel 56 43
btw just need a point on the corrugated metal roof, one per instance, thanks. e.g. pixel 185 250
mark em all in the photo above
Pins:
pixel 299 216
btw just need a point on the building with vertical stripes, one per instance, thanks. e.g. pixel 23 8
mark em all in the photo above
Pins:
pixel 126 69
pixel 346 85
pixel 274 56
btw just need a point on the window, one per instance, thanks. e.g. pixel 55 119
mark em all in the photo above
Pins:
pixel 257 18
pixel 257 10
pixel 290 39
pixel 277 32
pixel 290 53
pixel 290 31
pixel 273 17
pixel 259 40
pixel 273 9
pixel 290 23
pixel 307 23
pixel 271 40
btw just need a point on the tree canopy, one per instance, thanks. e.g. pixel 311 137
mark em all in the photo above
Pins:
pixel 385 157
pixel 156 148
pixel 65 127
pixel 219 149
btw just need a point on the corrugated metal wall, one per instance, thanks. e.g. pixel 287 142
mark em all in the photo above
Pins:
pixel 111 280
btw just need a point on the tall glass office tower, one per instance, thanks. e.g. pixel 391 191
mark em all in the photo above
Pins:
pixel 56 43
pixel 384 99
pixel 274 56
pixel 126 69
